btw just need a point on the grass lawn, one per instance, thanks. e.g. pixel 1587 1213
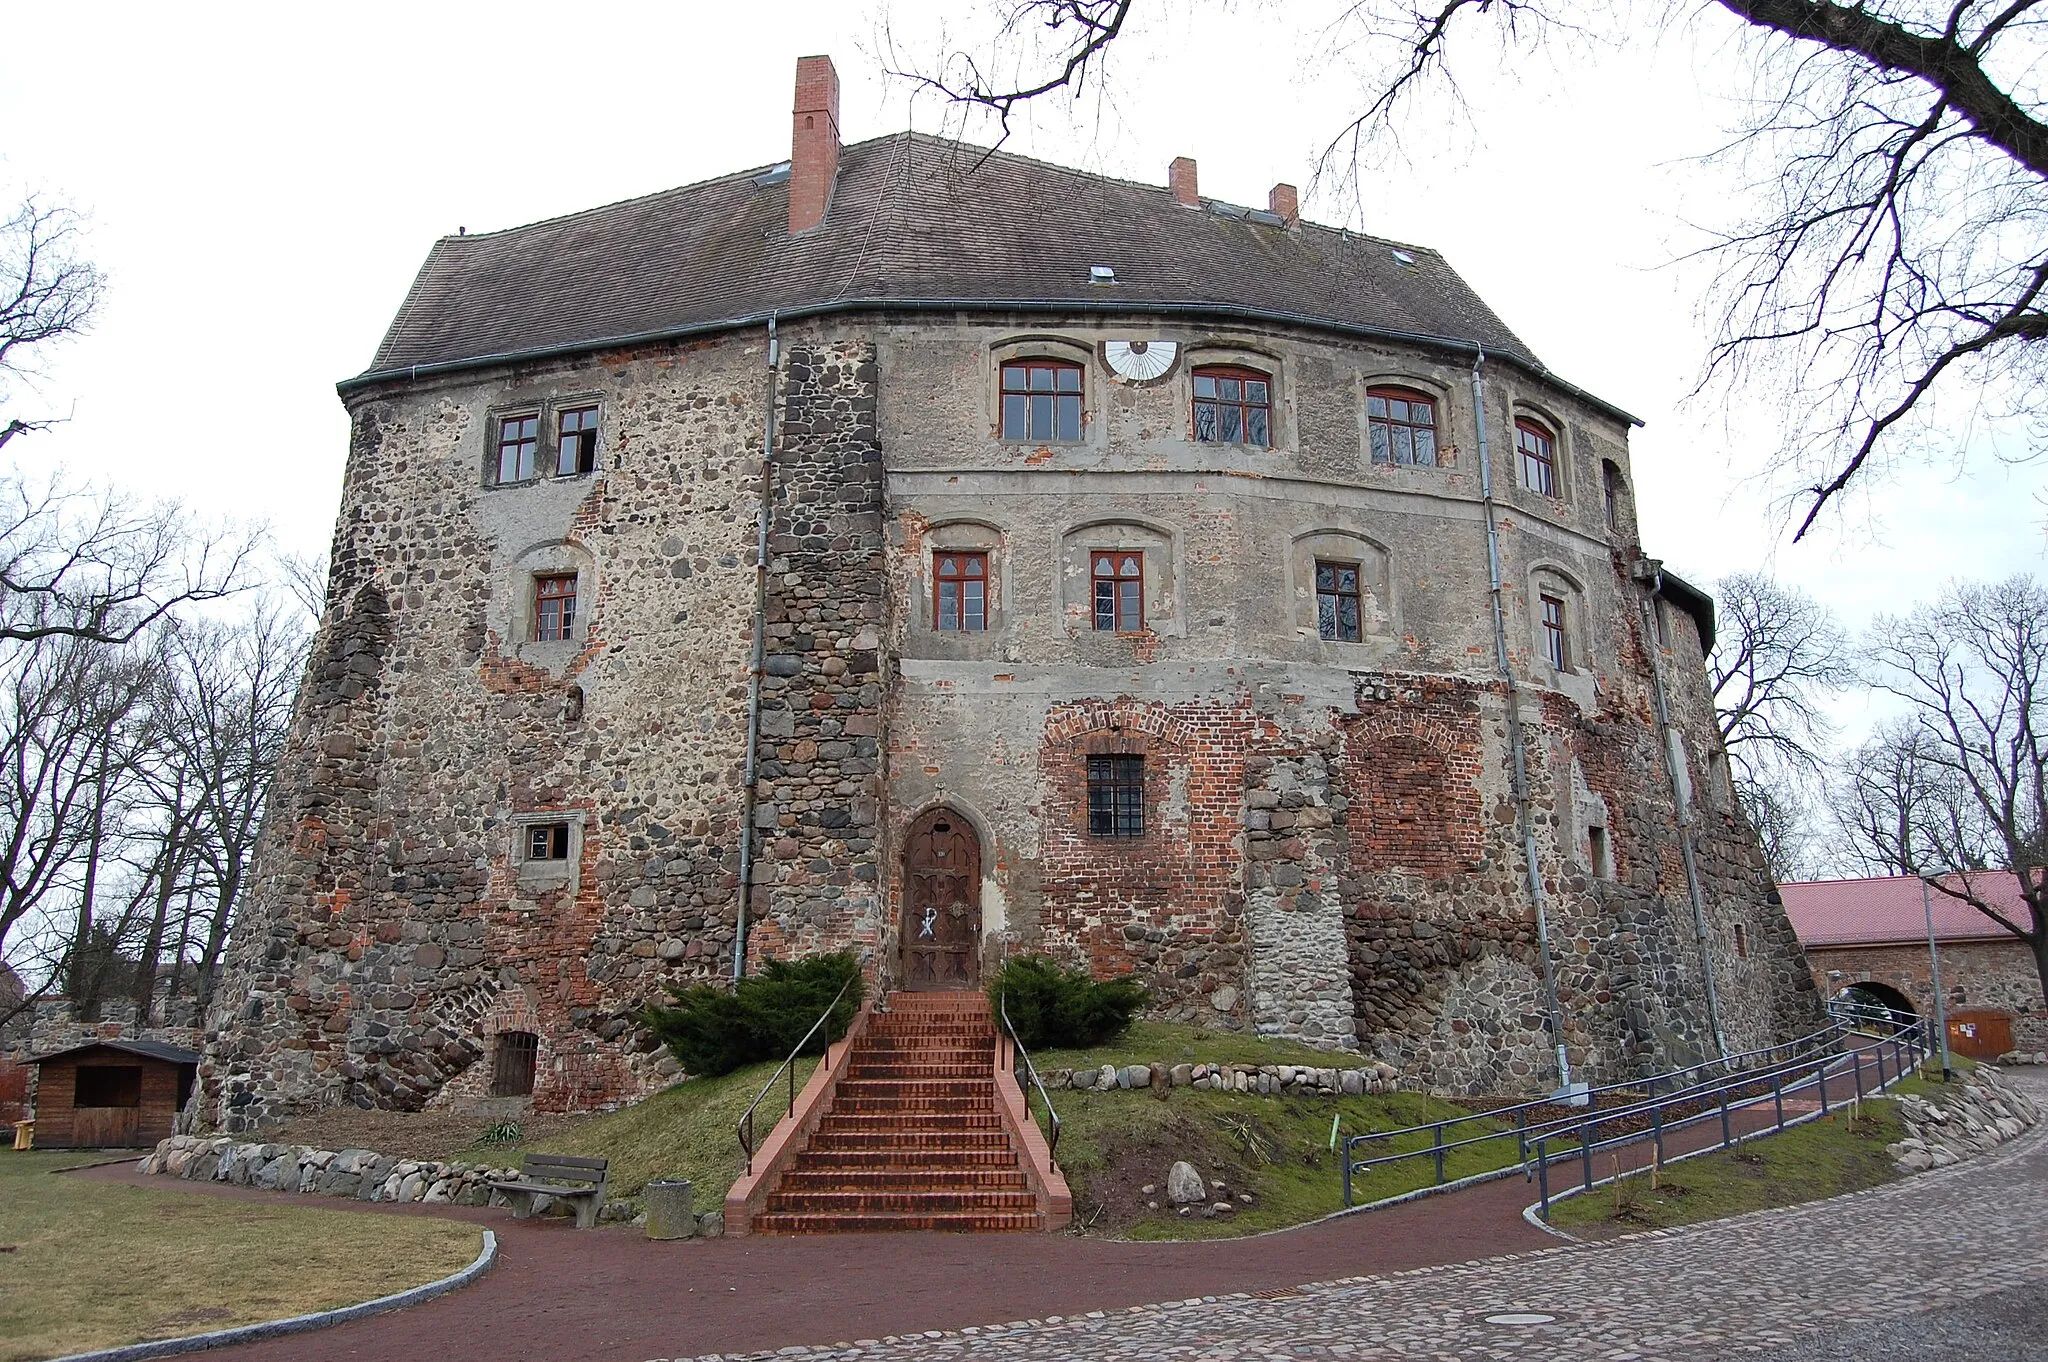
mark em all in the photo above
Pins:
pixel 1822 1158
pixel 87 1265
pixel 1172 1043
pixel 1276 1148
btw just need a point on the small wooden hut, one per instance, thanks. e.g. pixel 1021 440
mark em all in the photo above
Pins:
pixel 111 1094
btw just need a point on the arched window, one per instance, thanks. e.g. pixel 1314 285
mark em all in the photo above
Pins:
pixel 960 591
pixel 1233 405
pixel 1119 579
pixel 1538 452
pixel 1403 426
pixel 1041 400
pixel 512 1064
pixel 1612 490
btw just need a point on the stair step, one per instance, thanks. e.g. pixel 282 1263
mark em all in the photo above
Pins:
pixel 889 1122
pixel 806 1178
pixel 888 1222
pixel 996 1157
pixel 927 1202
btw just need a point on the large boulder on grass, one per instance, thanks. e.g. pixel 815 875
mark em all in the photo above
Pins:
pixel 1184 1185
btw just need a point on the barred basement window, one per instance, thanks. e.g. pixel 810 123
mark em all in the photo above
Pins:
pixel 1402 425
pixel 512 1063
pixel 1337 601
pixel 577 451
pixel 1116 796
pixel 1233 406
pixel 518 438
pixel 1119 579
pixel 960 591
pixel 547 842
pixel 554 608
pixel 1041 400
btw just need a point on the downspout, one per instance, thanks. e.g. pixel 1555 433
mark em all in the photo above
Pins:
pixel 1524 814
pixel 1674 753
pixel 757 659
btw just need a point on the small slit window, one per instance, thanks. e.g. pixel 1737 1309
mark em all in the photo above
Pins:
pixel 960 591
pixel 1233 406
pixel 1337 613
pixel 1603 855
pixel 1041 401
pixel 1611 493
pixel 547 842
pixel 1402 426
pixel 512 1063
pixel 554 608
pixel 1538 457
pixel 1554 645
pixel 1741 943
pixel 518 438
pixel 1116 796
pixel 577 451
pixel 1119 580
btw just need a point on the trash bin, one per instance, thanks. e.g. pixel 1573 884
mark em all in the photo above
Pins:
pixel 671 1212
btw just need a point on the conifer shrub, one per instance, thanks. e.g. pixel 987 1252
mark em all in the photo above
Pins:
pixel 711 1031
pixel 1055 1008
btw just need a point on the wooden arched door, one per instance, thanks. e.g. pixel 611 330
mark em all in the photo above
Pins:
pixel 941 929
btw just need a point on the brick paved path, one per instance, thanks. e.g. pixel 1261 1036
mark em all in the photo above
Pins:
pixel 1747 1285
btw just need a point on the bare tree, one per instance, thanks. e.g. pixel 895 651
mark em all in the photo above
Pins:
pixel 1777 656
pixel 48 292
pixel 1896 151
pixel 1973 667
pixel 1779 815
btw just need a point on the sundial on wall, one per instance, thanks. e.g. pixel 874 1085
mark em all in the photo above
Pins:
pixel 1140 361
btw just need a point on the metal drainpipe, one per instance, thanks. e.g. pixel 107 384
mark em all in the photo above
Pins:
pixel 758 658
pixel 1525 816
pixel 1672 749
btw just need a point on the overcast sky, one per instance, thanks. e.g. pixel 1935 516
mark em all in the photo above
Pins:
pixel 263 182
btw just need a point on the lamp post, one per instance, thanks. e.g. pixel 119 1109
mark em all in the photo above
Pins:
pixel 1934 964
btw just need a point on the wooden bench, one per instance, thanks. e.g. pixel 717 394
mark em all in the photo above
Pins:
pixel 579 1182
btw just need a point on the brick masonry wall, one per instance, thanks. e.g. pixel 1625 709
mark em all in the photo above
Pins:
pixel 1996 975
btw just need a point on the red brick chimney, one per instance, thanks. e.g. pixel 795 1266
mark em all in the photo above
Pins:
pixel 1180 178
pixel 813 143
pixel 1285 204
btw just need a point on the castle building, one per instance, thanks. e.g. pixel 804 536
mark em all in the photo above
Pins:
pixel 941 554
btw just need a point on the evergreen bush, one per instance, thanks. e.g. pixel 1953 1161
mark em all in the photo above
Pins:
pixel 711 1031
pixel 1055 1008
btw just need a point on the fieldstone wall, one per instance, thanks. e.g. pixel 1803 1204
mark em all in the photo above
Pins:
pixel 1295 850
pixel 1994 975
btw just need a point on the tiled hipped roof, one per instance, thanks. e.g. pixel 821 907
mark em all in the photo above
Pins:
pixel 912 219
pixel 1888 910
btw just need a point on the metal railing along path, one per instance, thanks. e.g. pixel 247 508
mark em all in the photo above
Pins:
pixel 1031 1071
pixel 1678 1084
pixel 745 1127
pixel 1721 1101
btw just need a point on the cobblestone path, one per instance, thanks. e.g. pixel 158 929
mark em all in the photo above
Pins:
pixel 1744 1286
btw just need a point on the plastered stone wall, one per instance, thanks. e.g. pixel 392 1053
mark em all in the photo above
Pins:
pixel 1331 848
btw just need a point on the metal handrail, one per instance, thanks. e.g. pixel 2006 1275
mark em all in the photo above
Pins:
pixel 745 1126
pixel 1911 1039
pixel 1438 1146
pixel 1052 1149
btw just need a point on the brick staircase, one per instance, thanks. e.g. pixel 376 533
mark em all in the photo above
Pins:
pixel 913 1140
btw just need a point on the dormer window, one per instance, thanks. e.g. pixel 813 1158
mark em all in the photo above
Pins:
pixel 1233 406
pixel 1042 401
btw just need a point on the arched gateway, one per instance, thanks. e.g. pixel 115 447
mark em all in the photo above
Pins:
pixel 941 927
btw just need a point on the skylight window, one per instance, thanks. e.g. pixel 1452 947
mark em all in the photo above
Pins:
pixel 1402 257
pixel 1101 275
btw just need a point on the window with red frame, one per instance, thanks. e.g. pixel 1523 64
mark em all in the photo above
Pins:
pixel 554 608
pixel 1119 579
pixel 577 451
pixel 1041 400
pixel 1233 406
pixel 1402 425
pixel 960 591
pixel 1553 634
pixel 1539 458
pixel 518 438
